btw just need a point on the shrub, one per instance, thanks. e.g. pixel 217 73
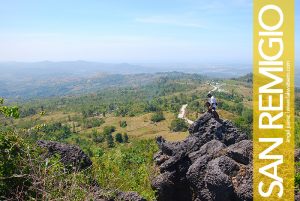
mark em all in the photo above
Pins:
pixel 97 137
pixel 25 174
pixel 157 117
pixel 9 111
pixel 178 125
pixel 92 122
pixel 130 168
pixel 11 162
pixel 126 138
pixel 56 131
pixel 123 124
pixel 119 138
pixel 110 140
pixel 108 130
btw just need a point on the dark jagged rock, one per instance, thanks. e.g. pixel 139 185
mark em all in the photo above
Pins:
pixel 212 147
pixel 243 183
pixel 129 196
pixel 241 152
pixel 218 179
pixel 71 156
pixel 297 155
pixel 213 163
pixel 297 160
pixel 297 196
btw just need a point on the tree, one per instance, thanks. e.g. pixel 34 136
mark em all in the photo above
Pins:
pixel 239 108
pixel 97 137
pixel 110 140
pixel 178 125
pixel 119 138
pixel 157 117
pixel 126 138
pixel 123 123
pixel 108 130
pixel 9 111
pixel 56 131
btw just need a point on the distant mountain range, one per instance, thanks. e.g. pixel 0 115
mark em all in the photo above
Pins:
pixel 84 68
pixel 45 79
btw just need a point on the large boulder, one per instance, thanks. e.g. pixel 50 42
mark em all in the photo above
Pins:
pixel 71 156
pixel 213 163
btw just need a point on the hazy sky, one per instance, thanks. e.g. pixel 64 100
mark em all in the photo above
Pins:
pixel 127 30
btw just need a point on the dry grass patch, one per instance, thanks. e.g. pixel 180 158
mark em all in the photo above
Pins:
pixel 142 127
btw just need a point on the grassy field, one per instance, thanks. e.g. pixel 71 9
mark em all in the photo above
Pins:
pixel 138 127
pixel 141 126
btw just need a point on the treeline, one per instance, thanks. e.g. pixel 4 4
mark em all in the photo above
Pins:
pixel 127 101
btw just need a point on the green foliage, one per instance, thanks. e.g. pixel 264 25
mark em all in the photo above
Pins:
pixel 178 125
pixel 12 111
pixel 239 108
pixel 11 161
pixel 123 124
pixel 195 106
pixel 246 78
pixel 110 140
pixel 233 97
pixel 108 130
pixel 130 168
pixel 92 122
pixel 97 137
pixel 244 122
pixel 99 152
pixel 157 116
pixel 88 113
pixel 125 101
pixel 119 138
pixel 25 173
pixel 56 131
pixel 27 112
pixel 126 138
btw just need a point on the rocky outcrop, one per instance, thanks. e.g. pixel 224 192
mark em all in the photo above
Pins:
pixel 72 156
pixel 213 163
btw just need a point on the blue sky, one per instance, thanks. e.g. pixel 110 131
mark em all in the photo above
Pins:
pixel 139 31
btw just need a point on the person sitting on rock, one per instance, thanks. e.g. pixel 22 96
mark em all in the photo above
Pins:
pixel 211 105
